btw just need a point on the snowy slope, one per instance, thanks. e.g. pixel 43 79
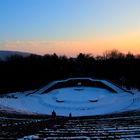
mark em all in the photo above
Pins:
pixel 5 54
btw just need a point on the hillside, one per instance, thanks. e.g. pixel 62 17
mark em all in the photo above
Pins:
pixel 5 54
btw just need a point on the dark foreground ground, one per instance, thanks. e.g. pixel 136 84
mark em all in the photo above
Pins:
pixel 114 126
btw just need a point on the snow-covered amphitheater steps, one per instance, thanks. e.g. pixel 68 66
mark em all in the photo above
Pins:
pixel 113 127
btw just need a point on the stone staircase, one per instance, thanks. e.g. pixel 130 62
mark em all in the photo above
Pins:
pixel 111 127
pixel 13 128
pixel 124 126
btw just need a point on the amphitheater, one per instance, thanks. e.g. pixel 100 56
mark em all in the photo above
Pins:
pixel 99 109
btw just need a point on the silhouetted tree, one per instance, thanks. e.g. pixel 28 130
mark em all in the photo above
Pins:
pixel 113 54
pixel 19 73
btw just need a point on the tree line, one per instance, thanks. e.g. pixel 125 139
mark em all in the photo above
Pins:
pixel 19 73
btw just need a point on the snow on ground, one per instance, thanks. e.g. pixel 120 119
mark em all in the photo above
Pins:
pixel 80 101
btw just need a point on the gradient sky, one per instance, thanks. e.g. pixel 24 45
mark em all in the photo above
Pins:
pixel 70 26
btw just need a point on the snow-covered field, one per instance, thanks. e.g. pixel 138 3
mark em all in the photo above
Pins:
pixel 80 101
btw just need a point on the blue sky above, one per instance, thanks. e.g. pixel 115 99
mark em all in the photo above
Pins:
pixel 67 20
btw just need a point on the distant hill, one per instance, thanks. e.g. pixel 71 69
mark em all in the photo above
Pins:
pixel 5 54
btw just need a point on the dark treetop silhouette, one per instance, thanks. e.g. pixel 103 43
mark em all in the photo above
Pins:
pixel 18 73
